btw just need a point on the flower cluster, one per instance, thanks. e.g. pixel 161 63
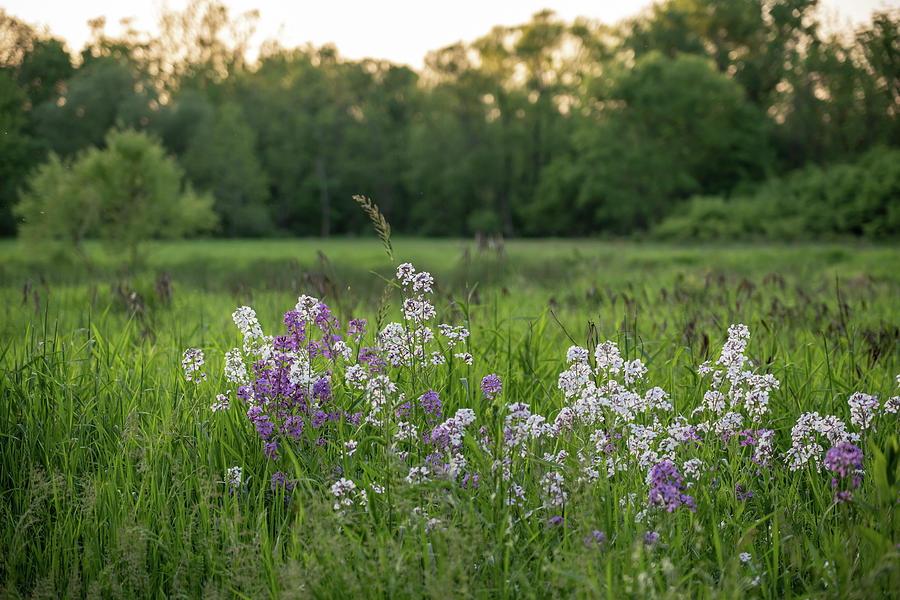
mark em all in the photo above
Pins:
pixel 845 462
pixel 191 362
pixel 666 486
pixel 379 409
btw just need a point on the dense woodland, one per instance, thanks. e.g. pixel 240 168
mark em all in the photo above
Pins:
pixel 694 118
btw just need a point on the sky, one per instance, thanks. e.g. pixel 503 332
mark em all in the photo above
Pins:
pixel 402 31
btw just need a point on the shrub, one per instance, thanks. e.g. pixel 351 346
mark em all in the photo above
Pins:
pixel 124 194
pixel 856 199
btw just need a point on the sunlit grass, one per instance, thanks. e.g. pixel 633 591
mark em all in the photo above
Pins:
pixel 111 468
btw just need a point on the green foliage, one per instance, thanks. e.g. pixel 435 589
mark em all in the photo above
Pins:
pixel 853 199
pixel 673 127
pixel 125 194
pixel 541 128
pixel 15 145
pixel 99 96
pixel 112 464
pixel 221 158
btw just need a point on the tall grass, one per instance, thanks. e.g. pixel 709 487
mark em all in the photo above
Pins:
pixel 112 465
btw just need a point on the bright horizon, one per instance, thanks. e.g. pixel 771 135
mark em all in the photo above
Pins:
pixel 402 31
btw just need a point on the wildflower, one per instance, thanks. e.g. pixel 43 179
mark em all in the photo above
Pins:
pixel 221 403
pixel 245 319
pixel 608 358
pixel 666 486
pixel 515 495
pixel 556 520
pixel 405 273
pixel 741 494
pixel 650 538
pixel 279 482
pixel 844 460
pixel 465 357
pixel 235 370
pixel 350 447
pixel 233 479
pixel 862 409
pixel 745 557
pixel 491 386
pixel 692 468
pixel 596 537
pixel 552 486
pixel 634 371
pixel 892 405
pixel 191 363
pixel 417 475
pixel 577 354
pixel 342 490
pixel 271 449
pixel 307 307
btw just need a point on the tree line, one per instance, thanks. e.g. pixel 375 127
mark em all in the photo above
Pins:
pixel 544 128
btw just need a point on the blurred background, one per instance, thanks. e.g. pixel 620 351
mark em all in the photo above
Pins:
pixel 681 119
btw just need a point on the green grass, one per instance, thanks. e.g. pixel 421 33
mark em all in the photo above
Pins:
pixel 111 464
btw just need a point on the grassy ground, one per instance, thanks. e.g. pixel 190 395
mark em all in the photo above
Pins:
pixel 112 463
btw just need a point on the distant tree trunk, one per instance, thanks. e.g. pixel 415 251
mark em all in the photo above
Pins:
pixel 324 201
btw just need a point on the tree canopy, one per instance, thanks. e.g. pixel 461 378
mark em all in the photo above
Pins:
pixel 543 128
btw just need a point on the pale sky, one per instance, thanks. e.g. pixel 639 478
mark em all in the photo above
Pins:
pixel 399 30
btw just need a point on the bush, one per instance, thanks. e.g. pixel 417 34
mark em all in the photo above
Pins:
pixel 125 194
pixel 857 199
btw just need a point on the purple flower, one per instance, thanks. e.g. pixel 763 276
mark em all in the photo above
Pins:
pixel 271 449
pixel 356 328
pixel 596 537
pixel 325 321
pixel 844 460
pixel 491 386
pixel 650 538
pixel 431 404
pixel 556 520
pixel 279 482
pixel 666 486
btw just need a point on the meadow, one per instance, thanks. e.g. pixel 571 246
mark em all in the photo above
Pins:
pixel 584 452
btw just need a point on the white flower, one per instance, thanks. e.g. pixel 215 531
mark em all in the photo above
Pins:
pixel 350 447
pixel 577 354
pixel 745 557
pixel 417 475
pixel 892 405
pixel 191 363
pixel 634 371
pixel 307 307
pixel 341 490
pixel 235 370
pixel 234 476
pixel 343 350
pixel 552 486
pixel 245 319
pixel 465 357
pixel 356 377
pixel 608 358
pixel 862 409
pixel 221 403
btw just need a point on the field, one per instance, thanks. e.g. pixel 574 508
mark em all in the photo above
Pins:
pixel 117 476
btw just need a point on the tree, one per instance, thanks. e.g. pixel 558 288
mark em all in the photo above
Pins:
pixel 668 128
pixel 15 145
pixel 221 159
pixel 125 194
